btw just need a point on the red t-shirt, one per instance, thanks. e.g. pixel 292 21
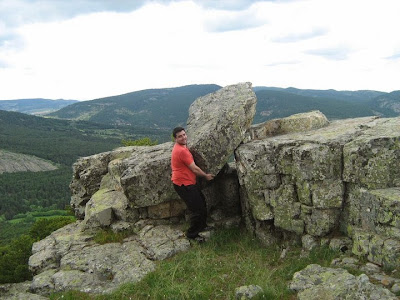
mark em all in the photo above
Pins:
pixel 181 158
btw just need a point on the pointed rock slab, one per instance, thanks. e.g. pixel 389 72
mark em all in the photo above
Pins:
pixel 217 124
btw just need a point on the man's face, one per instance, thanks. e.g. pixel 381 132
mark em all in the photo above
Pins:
pixel 181 137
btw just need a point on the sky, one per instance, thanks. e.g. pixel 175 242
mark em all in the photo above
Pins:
pixel 89 49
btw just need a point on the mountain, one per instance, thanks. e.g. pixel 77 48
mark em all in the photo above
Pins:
pixel 387 105
pixel 34 106
pixel 360 96
pixel 167 108
pixel 272 104
pixel 153 108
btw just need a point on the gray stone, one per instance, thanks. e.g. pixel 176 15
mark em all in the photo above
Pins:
pixel 342 244
pixel 316 282
pixel 294 123
pixel 247 292
pixel 370 268
pixel 18 291
pixel 395 288
pixel 372 159
pixel 217 124
pixel 309 242
pixel 88 173
pixel 162 242
pixel 95 268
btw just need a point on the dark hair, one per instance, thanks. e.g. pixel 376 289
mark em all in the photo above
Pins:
pixel 176 130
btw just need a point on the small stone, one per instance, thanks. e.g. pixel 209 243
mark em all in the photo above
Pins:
pixel 247 291
pixel 283 253
pixel 396 288
pixel 370 268
pixel 385 280
pixel 309 242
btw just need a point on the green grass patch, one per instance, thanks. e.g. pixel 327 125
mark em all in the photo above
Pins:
pixel 104 236
pixel 213 270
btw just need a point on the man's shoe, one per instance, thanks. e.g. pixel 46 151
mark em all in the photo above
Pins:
pixel 208 228
pixel 198 239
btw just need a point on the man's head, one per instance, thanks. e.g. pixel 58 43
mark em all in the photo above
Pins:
pixel 179 135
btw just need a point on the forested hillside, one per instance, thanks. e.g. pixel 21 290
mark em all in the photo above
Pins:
pixel 61 142
pixel 272 104
pixel 154 108
pixel 166 108
pixel 334 104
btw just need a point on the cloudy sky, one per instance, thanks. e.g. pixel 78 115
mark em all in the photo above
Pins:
pixel 88 49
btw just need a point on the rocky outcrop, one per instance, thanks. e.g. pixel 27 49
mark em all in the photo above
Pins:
pixel 11 162
pixel 340 178
pixel 294 123
pixel 130 190
pixel 127 184
pixel 70 259
pixel 316 282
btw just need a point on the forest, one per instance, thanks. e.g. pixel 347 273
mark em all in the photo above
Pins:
pixel 33 204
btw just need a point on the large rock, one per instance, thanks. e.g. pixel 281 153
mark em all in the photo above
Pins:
pixel 88 173
pixel 316 282
pixel 294 123
pixel 296 179
pixel 344 176
pixel 70 259
pixel 372 159
pixel 217 124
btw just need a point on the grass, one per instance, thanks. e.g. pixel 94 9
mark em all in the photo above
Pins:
pixel 213 270
pixel 105 236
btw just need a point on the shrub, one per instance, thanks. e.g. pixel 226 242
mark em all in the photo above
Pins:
pixel 146 141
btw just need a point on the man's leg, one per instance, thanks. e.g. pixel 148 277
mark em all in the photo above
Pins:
pixel 196 204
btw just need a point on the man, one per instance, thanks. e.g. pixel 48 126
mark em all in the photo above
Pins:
pixel 184 173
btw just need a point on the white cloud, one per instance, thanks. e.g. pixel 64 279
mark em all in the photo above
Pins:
pixel 316 44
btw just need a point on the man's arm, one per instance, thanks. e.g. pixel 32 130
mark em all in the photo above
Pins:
pixel 199 172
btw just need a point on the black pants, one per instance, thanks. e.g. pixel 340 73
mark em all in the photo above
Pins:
pixel 196 204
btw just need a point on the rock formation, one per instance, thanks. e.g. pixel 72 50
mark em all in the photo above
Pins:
pixel 339 178
pixel 316 282
pixel 129 189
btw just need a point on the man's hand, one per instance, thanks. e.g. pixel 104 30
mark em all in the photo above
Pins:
pixel 199 172
pixel 209 177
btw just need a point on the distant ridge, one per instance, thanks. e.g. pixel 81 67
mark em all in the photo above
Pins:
pixel 167 108
pixel 37 106
pixel 152 108
pixel 163 109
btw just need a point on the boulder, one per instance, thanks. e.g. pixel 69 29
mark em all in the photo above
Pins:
pixel 78 263
pixel 217 124
pixel 294 123
pixel 316 282
pixel 18 291
pixel 372 159
pixel 248 292
pixel 88 173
